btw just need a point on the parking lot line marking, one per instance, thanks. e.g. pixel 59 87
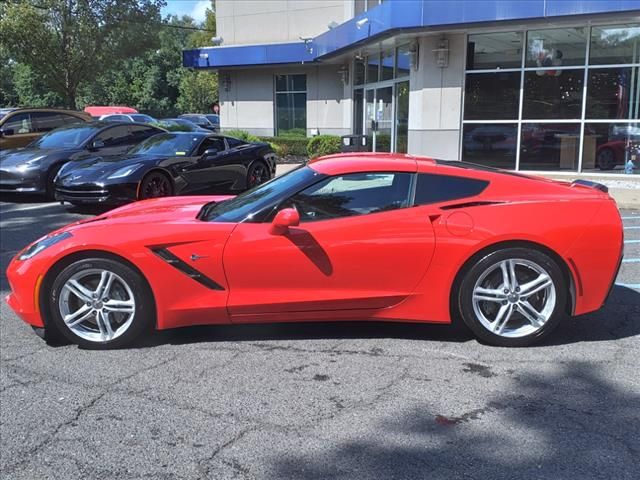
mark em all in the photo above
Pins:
pixel 632 241
pixel 32 207
pixel 634 286
pixel 634 217
pixel 631 260
pixel 632 228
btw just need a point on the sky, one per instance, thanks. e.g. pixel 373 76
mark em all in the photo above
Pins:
pixel 194 8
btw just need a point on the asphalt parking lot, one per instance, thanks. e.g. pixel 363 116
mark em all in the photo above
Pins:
pixel 321 401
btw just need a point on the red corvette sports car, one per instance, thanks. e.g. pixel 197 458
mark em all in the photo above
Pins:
pixel 346 237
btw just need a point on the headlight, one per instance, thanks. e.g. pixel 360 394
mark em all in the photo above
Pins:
pixel 125 171
pixel 30 164
pixel 40 245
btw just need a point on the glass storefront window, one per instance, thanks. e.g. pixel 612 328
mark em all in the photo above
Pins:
pixel 402 117
pixel 613 45
pixel 611 147
pixel 373 70
pixel 386 69
pixel 613 93
pixel 492 96
pixel 494 50
pixel 291 104
pixel 553 94
pixel 489 144
pixel 403 61
pixel 547 146
pixel 358 72
pixel 555 48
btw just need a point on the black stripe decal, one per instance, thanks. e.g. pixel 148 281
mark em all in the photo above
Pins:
pixel 185 268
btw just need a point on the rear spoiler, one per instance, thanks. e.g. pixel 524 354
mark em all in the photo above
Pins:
pixel 590 184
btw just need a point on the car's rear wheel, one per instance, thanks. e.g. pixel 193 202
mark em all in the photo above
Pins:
pixel 606 159
pixel 100 303
pixel 512 297
pixel 258 173
pixel 155 185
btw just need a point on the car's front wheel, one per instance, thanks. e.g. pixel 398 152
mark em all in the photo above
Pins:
pixel 512 297
pixel 100 303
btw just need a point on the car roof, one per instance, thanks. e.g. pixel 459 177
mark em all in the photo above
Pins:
pixel 55 110
pixel 367 162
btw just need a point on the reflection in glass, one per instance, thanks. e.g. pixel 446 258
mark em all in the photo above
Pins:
pixel 489 144
pixel 291 83
pixel 545 146
pixel 403 61
pixel 492 96
pixel 402 117
pixel 373 71
pixel 358 72
pixel 553 94
pixel 615 45
pixel 614 93
pixel 555 48
pixel 386 71
pixel 611 147
pixel 494 50
pixel 358 107
pixel 291 113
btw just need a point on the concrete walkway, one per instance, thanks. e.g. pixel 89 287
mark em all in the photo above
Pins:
pixel 625 189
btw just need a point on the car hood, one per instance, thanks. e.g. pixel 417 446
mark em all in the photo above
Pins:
pixel 17 156
pixel 153 211
pixel 98 168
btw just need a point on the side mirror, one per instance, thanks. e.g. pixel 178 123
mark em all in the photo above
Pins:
pixel 5 132
pixel 285 218
pixel 210 152
pixel 96 145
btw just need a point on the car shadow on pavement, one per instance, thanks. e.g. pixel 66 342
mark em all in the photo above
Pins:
pixel 619 318
pixel 573 422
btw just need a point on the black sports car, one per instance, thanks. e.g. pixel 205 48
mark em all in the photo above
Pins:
pixel 33 168
pixel 167 164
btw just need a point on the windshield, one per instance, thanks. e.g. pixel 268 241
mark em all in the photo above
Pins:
pixel 71 136
pixel 246 205
pixel 167 144
pixel 141 118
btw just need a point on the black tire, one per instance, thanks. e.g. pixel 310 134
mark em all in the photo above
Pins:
pixel 50 188
pixel 606 159
pixel 142 314
pixel 155 185
pixel 476 313
pixel 258 173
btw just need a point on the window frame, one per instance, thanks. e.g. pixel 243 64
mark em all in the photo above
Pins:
pixel 277 92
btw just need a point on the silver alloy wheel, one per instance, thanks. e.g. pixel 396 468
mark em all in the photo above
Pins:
pixel 514 298
pixel 97 305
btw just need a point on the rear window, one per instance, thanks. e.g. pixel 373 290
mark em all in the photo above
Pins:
pixel 432 188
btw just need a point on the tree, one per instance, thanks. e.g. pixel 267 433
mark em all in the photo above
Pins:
pixel 68 43
pixel 198 91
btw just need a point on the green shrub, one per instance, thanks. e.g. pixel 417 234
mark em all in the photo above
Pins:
pixel 324 145
pixel 294 132
pixel 285 146
pixel 242 135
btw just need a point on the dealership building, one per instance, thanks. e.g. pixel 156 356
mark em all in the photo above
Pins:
pixel 531 85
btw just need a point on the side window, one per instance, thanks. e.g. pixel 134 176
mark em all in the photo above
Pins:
pixel 116 118
pixel 140 133
pixel 69 119
pixel 441 188
pixel 19 123
pixel 46 121
pixel 207 143
pixel 115 136
pixel 352 194
pixel 234 142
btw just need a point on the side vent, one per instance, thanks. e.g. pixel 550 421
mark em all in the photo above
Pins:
pixel 185 268
pixel 469 204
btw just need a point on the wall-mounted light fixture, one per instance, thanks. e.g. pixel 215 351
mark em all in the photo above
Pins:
pixel 308 44
pixel 361 23
pixel 333 24
pixel 343 71
pixel 414 55
pixel 226 82
pixel 216 41
pixel 442 53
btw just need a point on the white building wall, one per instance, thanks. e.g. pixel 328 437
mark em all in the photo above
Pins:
pixel 241 22
pixel 247 99
pixel 435 100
